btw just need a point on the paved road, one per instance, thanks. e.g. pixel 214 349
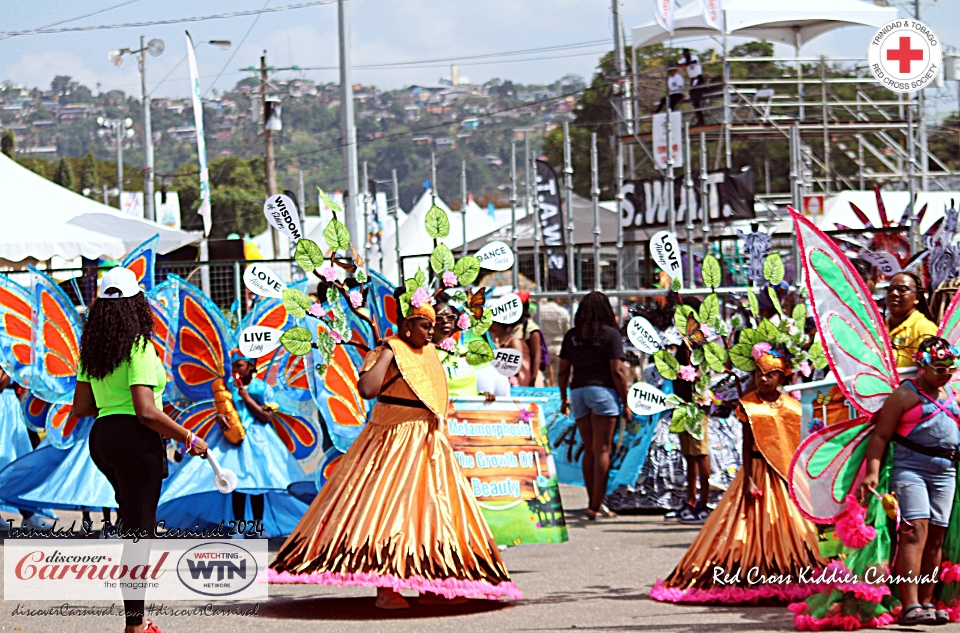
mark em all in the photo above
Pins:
pixel 598 581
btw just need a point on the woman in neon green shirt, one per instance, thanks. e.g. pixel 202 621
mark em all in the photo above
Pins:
pixel 121 382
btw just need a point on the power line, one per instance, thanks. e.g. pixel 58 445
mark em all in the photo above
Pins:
pixel 81 17
pixel 237 48
pixel 201 18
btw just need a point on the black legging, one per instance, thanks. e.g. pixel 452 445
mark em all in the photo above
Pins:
pixel 239 502
pixel 133 459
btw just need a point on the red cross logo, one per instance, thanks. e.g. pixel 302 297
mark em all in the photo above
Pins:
pixel 905 55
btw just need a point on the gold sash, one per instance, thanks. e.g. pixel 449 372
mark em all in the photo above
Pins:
pixel 421 369
pixel 775 431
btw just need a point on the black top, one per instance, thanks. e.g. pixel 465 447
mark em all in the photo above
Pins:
pixel 591 362
pixel 683 389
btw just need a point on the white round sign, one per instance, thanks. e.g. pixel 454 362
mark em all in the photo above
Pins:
pixel 257 341
pixel 282 215
pixel 262 281
pixel 886 263
pixel 643 335
pixel 645 399
pixel 507 309
pixel 495 256
pixel 507 361
pixel 666 253
pixel 905 55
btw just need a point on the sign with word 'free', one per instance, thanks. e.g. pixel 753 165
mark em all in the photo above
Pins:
pixel 645 399
pixel 643 335
pixel 886 263
pixel 495 255
pixel 507 309
pixel 262 281
pixel 258 340
pixel 666 254
pixel 282 215
pixel 505 455
pixel 507 361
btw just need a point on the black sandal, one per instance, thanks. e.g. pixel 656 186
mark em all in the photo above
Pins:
pixel 940 615
pixel 916 614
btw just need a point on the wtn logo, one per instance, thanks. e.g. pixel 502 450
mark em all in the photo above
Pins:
pixel 225 569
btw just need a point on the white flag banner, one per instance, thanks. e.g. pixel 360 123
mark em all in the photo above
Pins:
pixel 204 209
pixel 713 13
pixel 663 9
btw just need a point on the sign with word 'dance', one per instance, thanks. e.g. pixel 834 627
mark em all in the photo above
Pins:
pixel 507 361
pixel 262 281
pixel 495 255
pixel 886 263
pixel 257 340
pixel 282 215
pixel 507 309
pixel 666 253
pixel 643 335
pixel 645 399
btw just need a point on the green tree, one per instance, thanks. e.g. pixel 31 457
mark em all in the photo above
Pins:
pixel 88 173
pixel 64 174
pixel 8 143
pixel 236 196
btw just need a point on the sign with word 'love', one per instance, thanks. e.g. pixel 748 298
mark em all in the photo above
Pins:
pixel 262 281
pixel 666 254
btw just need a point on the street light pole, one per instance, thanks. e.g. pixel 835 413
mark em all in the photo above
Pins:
pixel 148 210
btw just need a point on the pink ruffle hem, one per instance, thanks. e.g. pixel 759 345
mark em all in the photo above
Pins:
pixel 734 595
pixel 447 587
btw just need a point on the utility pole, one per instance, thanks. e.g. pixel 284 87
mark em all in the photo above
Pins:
pixel 270 165
pixel 148 201
pixel 396 223
pixel 433 177
pixel 463 204
pixel 348 130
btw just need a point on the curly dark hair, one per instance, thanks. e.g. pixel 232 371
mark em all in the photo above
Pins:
pixel 113 328
pixel 593 313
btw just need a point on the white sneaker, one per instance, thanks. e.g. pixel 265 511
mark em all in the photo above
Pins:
pixel 35 523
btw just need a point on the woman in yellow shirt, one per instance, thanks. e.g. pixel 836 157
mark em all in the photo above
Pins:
pixel 909 321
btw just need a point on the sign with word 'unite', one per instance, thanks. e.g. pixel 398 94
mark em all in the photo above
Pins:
pixel 507 309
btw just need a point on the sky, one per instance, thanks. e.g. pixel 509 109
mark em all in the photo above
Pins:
pixel 383 31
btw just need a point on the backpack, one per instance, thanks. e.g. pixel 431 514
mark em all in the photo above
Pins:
pixel 544 352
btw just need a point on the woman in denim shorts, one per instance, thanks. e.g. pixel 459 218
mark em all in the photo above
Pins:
pixel 598 391
pixel 921 419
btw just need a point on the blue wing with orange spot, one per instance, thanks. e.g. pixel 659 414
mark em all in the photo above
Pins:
pixel 199 418
pixel 142 261
pixel 382 303
pixel 16 326
pixel 343 411
pixel 202 344
pixel 326 466
pixel 62 427
pixel 34 411
pixel 298 434
pixel 56 341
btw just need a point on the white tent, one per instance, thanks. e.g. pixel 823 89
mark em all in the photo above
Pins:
pixel 792 23
pixel 42 220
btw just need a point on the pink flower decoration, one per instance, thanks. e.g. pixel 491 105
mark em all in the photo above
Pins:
pixel 420 297
pixel 356 299
pixel 336 336
pixel 450 279
pixel 464 321
pixel 806 368
pixel 526 415
pixel 315 310
pixel 328 272
pixel 851 529
pixel 707 331
pixel 760 349
pixel 688 373
pixel 447 344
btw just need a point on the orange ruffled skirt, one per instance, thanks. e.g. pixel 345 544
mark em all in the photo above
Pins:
pixel 746 552
pixel 398 513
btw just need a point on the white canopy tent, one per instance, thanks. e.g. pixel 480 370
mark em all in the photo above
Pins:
pixel 792 23
pixel 42 220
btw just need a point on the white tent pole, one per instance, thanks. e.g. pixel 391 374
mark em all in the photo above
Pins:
pixel 799 43
pixel 726 98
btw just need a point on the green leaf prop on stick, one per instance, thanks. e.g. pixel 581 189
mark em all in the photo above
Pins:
pixel 680 314
pixel 754 304
pixel 481 325
pixel 308 255
pixel 740 356
pixel 773 270
pixel 715 356
pixel 296 303
pixel 337 236
pixel 437 223
pixel 709 309
pixel 442 259
pixel 710 272
pixel 467 269
pixel 478 353
pixel 666 364
pixel 800 312
pixel 297 341
pixel 327 200
pixel 774 299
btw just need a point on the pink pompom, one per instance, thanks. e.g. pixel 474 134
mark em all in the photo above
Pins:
pixel 806 368
pixel 356 299
pixel 707 331
pixel 450 279
pixel 420 297
pixel 328 272
pixel 760 349
pixel 315 310
pixel 447 344
pixel 851 529
pixel 688 373
pixel 464 321
pixel 336 336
